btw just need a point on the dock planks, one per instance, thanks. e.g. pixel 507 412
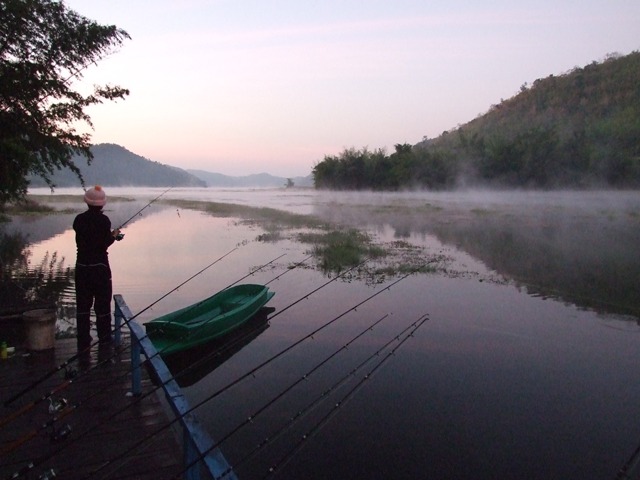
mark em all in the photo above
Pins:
pixel 104 421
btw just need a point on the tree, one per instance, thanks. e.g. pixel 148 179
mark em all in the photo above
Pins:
pixel 44 47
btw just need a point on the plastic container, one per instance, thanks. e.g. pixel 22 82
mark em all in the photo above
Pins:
pixel 40 327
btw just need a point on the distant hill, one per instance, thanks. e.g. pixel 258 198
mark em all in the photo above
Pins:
pixel 116 166
pixel 255 180
pixel 579 129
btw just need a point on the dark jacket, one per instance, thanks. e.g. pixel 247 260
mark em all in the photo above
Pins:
pixel 93 237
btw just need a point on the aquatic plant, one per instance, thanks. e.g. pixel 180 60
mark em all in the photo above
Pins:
pixel 338 249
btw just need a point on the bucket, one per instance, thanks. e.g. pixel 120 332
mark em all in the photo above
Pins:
pixel 40 327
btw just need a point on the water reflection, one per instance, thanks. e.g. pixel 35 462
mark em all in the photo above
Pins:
pixel 193 365
pixel 27 286
pixel 498 384
pixel 584 252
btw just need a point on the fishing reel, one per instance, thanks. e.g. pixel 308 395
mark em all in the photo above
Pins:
pixel 56 406
pixel 70 373
pixel 119 237
pixel 60 434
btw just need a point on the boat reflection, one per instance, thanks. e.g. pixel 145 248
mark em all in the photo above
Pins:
pixel 191 366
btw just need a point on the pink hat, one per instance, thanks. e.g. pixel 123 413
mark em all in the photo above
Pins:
pixel 95 197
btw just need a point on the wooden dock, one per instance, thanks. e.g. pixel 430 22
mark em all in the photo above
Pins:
pixel 100 422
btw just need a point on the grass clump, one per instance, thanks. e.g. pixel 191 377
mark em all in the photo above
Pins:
pixel 339 249
pixel 480 211
pixel 270 216
pixel 26 207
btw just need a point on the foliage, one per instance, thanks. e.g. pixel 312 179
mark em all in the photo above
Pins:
pixel 579 129
pixel 43 48
pixel 23 285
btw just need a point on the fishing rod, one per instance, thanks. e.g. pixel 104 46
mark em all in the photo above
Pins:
pixel 252 372
pixel 140 211
pixel 65 364
pixel 625 472
pixel 6 449
pixel 238 380
pixel 323 396
pixel 250 418
pixel 79 354
pixel 192 366
pixel 349 395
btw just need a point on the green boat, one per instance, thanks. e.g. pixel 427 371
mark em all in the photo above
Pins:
pixel 208 319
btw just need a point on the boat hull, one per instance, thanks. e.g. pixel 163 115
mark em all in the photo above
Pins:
pixel 208 319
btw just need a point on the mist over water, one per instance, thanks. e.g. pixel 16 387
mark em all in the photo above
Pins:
pixel 526 367
pixel 579 246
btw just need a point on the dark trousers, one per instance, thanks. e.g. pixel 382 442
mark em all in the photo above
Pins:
pixel 93 289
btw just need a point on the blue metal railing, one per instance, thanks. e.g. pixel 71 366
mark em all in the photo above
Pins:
pixel 196 440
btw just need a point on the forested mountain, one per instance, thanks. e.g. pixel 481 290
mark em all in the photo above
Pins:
pixel 116 166
pixel 579 129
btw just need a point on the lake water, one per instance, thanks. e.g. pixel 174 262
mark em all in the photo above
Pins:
pixel 527 366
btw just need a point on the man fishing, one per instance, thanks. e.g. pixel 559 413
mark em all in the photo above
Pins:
pixel 93 273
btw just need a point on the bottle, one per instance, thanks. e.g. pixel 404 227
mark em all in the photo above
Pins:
pixel 3 351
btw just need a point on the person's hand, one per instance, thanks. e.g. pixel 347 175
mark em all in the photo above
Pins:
pixel 117 235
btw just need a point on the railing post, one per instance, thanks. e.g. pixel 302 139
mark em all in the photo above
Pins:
pixel 190 455
pixel 117 325
pixel 195 438
pixel 136 373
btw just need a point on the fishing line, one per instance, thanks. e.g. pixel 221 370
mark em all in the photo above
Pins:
pixel 629 466
pixel 317 289
pixel 193 366
pixel 295 265
pixel 276 468
pixel 6 449
pixel 252 372
pixel 286 390
pixel 184 371
pixel 115 380
pixel 252 417
pixel 146 206
pixel 151 443
pixel 261 365
pixel 85 351
pixel 256 270
pixel 321 398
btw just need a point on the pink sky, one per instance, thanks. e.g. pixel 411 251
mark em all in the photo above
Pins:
pixel 241 87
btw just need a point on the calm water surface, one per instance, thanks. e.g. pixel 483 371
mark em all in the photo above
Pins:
pixel 525 368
